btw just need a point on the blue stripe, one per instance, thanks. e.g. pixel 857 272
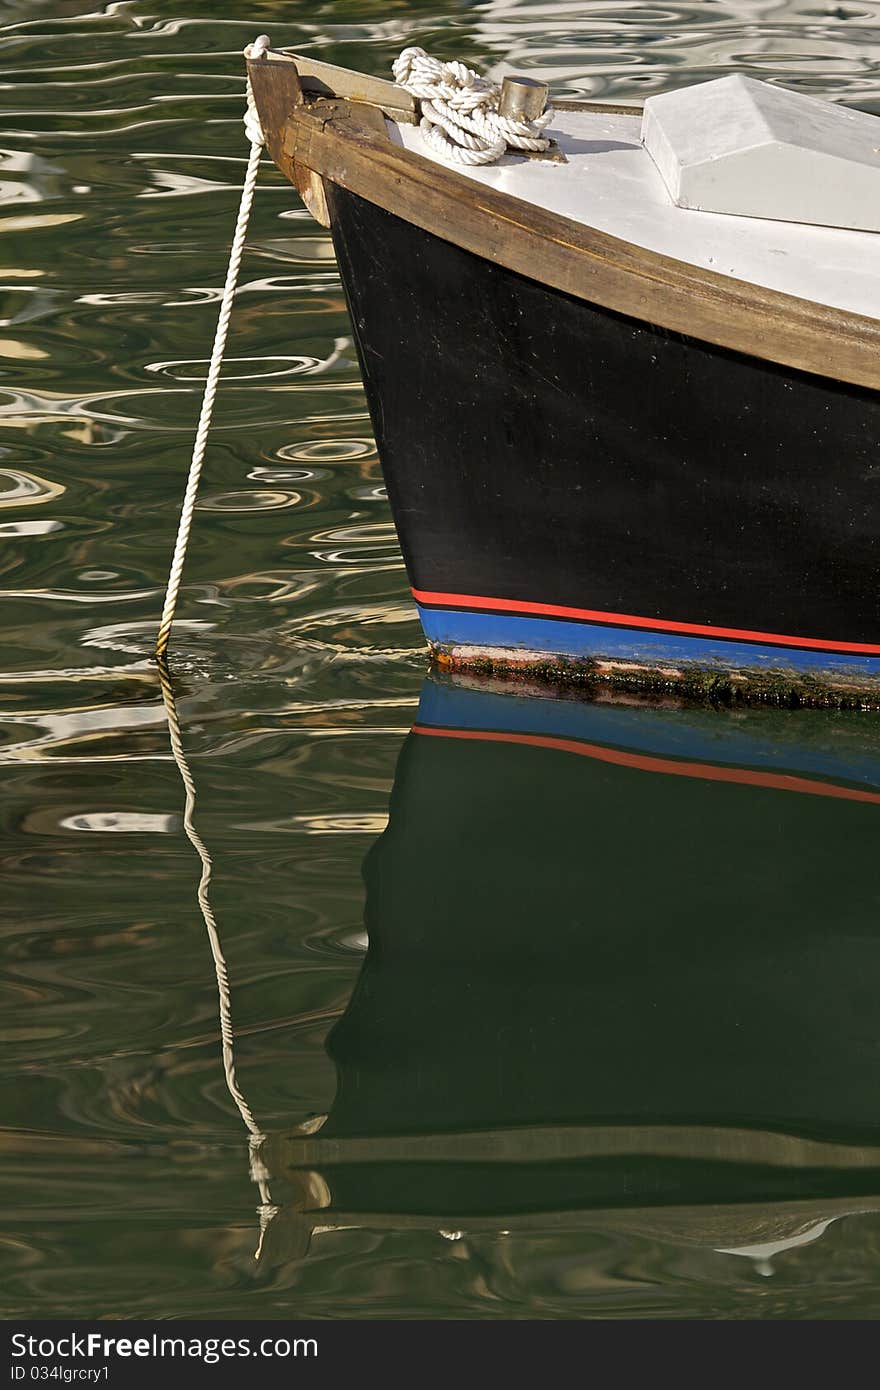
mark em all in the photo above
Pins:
pixel 451 627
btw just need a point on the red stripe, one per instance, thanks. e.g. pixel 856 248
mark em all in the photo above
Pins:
pixel 594 615
pixel 778 781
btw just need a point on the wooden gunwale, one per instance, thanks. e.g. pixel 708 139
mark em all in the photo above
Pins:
pixel 347 143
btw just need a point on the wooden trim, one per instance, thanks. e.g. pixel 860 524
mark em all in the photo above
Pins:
pixel 608 108
pixel 318 79
pixel 348 144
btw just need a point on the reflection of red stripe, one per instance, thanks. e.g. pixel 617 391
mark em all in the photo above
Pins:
pixel 590 615
pixel 779 781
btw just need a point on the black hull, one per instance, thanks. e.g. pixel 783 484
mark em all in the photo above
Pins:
pixel 571 482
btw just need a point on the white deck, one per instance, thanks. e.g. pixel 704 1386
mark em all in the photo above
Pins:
pixel 612 184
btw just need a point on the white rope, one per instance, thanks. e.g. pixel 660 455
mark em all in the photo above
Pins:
pixel 460 120
pixel 255 135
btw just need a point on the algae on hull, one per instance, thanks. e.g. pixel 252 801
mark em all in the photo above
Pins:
pixel 779 687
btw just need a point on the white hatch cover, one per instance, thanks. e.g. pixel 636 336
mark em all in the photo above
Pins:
pixel 740 146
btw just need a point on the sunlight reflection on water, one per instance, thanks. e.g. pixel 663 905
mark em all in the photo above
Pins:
pixel 125 1165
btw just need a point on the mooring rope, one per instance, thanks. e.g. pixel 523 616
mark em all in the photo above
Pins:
pixel 460 119
pixel 255 135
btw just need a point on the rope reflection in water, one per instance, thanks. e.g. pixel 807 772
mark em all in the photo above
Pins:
pixel 258 1170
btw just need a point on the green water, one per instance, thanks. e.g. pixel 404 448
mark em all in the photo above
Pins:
pixel 132 1183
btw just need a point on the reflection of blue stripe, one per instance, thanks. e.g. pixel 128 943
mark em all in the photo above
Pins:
pixel 454 627
pixel 845 748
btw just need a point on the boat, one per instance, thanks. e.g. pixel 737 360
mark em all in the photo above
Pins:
pixel 619 977
pixel 623 440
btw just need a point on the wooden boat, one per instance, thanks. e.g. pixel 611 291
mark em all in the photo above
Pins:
pixel 642 996
pixel 622 439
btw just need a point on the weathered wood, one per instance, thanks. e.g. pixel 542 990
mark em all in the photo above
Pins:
pixel 310 184
pixel 343 143
pixel 318 79
pixel 607 108
pixel 327 80
pixel 310 187
pixel 277 91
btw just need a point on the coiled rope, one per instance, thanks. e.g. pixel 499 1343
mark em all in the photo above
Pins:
pixel 460 119
pixel 254 133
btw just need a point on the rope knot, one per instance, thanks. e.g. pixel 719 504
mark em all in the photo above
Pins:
pixel 252 126
pixel 460 119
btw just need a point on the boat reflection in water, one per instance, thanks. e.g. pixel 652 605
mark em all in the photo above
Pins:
pixel 623 963
pixel 622 970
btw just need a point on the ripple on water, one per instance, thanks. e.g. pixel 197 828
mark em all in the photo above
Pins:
pixel 126 1174
pixel 20 489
